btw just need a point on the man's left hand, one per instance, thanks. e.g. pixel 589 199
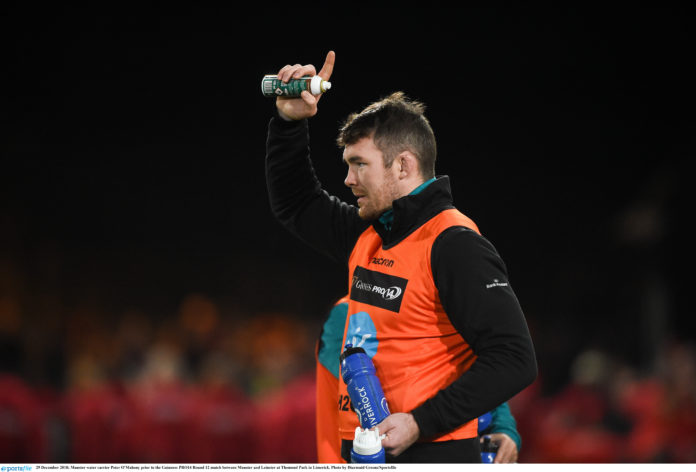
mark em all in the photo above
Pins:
pixel 507 448
pixel 401 430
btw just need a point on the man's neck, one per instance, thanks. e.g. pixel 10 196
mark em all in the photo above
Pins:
pixel 387 217
pixel 420 187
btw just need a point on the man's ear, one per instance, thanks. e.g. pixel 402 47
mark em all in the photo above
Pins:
pixel 407 165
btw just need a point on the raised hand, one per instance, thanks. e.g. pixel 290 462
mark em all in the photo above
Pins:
pixel 304 106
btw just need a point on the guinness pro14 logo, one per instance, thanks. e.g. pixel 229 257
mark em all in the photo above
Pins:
pixel 377 289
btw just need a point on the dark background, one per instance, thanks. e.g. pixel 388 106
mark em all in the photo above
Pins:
pixel 133 148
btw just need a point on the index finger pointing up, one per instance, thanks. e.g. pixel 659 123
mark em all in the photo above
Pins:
pixel 327 68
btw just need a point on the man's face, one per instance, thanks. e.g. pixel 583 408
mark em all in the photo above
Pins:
pixel 375 186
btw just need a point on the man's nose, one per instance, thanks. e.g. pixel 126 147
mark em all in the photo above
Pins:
pixel 350 179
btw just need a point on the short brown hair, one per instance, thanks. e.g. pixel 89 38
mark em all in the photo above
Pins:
pixel 396 124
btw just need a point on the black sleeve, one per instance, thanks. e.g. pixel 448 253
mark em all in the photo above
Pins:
pixel 475 292
pixel 297 199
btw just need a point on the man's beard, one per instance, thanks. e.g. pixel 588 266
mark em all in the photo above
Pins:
pixel 378 204
pixel 369 213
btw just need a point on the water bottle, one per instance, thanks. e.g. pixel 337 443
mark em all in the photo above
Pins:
pixel 367 447
pixel 488 450
pixel 364 388
pixel 484 421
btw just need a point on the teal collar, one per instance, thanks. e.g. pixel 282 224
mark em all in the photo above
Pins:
pixel 387 218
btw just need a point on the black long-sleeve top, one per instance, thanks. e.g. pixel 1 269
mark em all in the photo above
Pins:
pixel 468 272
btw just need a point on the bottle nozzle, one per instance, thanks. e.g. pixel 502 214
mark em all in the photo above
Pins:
pixel 367 441
pixel 318 85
